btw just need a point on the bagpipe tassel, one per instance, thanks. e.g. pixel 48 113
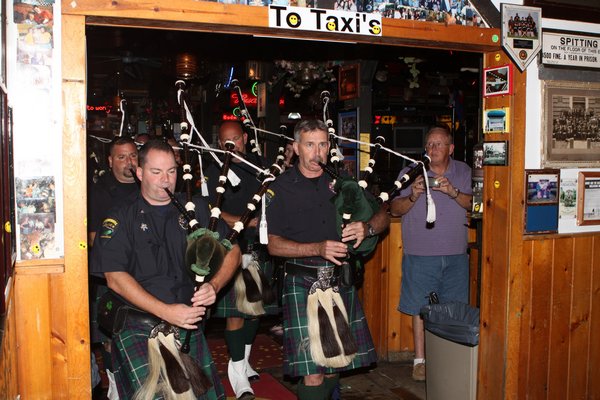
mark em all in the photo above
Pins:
pixel 430 209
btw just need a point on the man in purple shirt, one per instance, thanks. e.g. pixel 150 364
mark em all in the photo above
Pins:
pixel 435 255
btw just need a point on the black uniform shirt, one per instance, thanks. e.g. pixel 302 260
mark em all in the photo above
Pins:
pixel 105 194
pixel 236 198
pixel 149 243
pixel 300 209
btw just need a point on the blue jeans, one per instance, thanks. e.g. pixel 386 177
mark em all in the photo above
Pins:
pixel 448 276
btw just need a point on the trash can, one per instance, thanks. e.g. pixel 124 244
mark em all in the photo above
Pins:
pixel 451 342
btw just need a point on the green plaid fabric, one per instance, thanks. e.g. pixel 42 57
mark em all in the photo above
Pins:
pixel 130 360
pixel 225 305
pixel 297 358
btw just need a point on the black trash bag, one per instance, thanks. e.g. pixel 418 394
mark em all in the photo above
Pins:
pixel 458 322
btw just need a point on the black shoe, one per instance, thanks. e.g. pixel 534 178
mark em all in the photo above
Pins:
pixel 246 396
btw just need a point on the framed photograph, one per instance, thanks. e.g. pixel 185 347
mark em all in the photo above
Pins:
pixel 521 33
pixel 349 82
pixel 497 81
pixel 348 128
pixel 495 153
pixel 588 198
pixel 542 186
pixel 570 125
pixel 496 120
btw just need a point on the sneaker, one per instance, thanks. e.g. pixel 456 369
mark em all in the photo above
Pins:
pixel 418 373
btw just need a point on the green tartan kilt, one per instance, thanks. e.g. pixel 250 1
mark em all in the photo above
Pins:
pixel 130 360
pixel 297 360
pixel 225 305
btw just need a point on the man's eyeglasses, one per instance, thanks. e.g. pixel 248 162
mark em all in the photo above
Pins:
pixel 437 145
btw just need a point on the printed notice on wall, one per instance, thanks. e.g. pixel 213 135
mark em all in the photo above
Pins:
pixel 571 50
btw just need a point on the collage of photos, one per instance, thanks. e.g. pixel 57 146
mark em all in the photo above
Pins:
pixel 35 25
pixel 458 12
pixel 36 210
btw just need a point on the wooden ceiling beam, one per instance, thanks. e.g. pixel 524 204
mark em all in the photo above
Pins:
pixel 204 16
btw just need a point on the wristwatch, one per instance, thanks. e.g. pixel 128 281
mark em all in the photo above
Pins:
pixel 370 230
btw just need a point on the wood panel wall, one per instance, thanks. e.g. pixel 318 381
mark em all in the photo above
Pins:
pixel 559 319
pixel 51 296
pixel 540 294
pixel 8 361
pixel 390 329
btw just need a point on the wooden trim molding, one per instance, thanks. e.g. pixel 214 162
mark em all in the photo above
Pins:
pixel 35 267
pixel 204 16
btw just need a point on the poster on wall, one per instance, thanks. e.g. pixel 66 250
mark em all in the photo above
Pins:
pixel 521 33
pixel 588 198
pixel 348 128
pixel 542 188
pixel 568 198
pixel 36 208
pixel 37 129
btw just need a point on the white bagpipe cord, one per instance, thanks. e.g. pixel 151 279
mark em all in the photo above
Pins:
pixel 122 105
pixel 263 234
pixel 203 185
pixel 334 151
pixel 430 218
pixel 233 178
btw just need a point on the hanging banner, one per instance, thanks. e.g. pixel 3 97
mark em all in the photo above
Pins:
pixel 571 50
pixel 521 33
pixel 319 20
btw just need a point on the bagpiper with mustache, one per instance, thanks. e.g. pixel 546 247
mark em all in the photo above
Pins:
pixel 325 330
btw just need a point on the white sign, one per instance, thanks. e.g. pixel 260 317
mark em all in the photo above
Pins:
pixel 320 20
pixel 571 50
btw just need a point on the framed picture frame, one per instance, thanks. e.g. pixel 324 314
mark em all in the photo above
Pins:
pixel 570 128
pixel 588 198
pixel 543 186
pixel 496 120
pixel 497 81
pixel 348 127
pixel 349 82
pixel 495 153
pixel 521 32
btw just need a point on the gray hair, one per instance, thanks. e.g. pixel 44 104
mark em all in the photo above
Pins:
pixel 309 125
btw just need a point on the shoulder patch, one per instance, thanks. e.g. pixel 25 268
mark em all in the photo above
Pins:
pixel 269 195
pixel 109 225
